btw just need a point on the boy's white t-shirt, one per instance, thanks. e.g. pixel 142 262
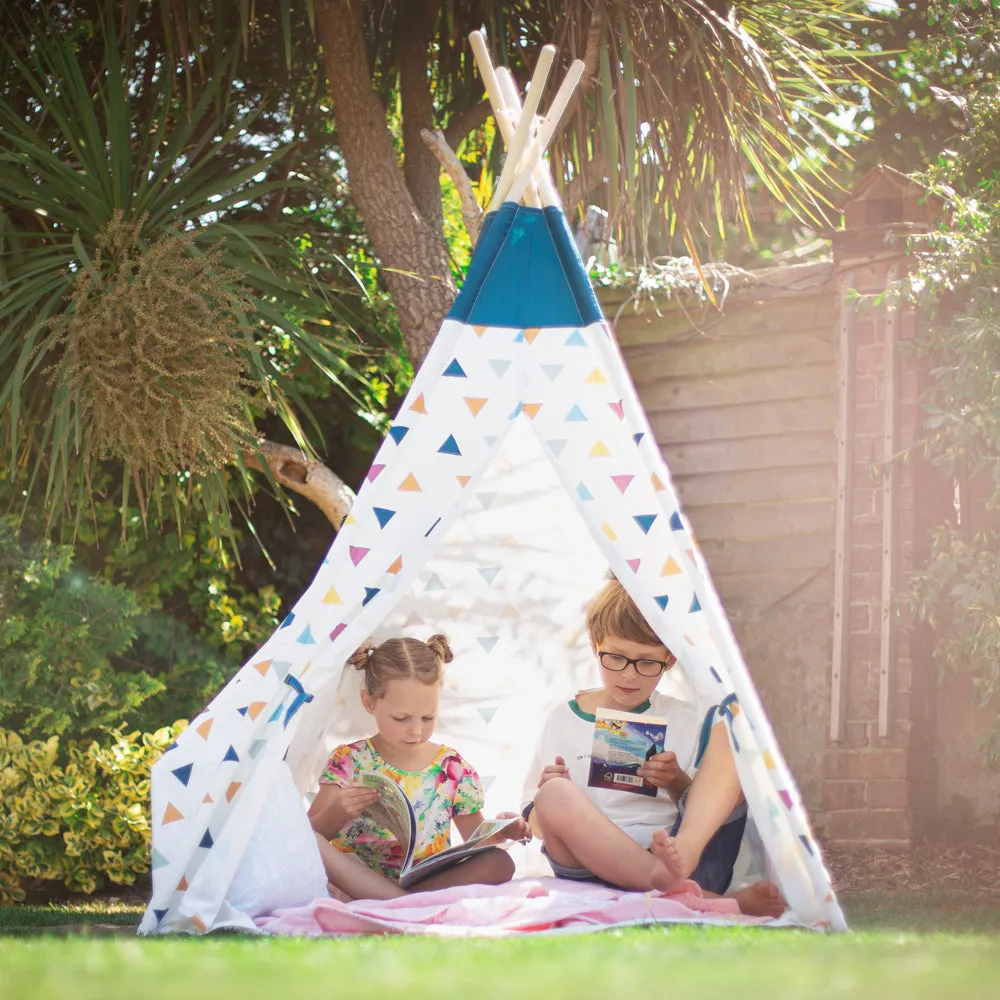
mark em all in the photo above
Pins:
pixel 569 733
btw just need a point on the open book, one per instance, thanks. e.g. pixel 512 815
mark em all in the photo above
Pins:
pixel 623 741
pixel 393 811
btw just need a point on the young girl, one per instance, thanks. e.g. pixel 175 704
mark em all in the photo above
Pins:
pixel 401 692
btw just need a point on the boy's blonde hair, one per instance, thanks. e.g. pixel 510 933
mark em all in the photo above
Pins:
pixel 401 658
pixel 613 612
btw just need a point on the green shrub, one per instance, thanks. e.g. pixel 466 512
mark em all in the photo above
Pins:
pixel 76 813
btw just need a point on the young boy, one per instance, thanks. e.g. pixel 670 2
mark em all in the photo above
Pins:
pixel 618 837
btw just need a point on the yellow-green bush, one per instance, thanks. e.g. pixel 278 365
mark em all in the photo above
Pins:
pixel 76 813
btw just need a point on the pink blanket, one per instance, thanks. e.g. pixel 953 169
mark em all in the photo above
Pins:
pixel 518 907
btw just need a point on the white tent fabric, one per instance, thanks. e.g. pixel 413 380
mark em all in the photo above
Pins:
pixel 568 386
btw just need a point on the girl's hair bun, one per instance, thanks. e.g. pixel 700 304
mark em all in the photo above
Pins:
pixel 360 657
pixel 441 647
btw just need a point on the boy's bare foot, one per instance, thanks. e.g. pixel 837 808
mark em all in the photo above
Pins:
pixel 337 894
pixel 670 869
pixel 762 899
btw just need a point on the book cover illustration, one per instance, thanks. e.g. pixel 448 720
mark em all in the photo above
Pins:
pixel 393 811
pixel 623 741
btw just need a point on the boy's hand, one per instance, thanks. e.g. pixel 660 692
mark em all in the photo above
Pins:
pixel 556 770
pixel 662 771
pixel 355 799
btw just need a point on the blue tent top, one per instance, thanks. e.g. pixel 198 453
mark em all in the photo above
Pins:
pixel 526 272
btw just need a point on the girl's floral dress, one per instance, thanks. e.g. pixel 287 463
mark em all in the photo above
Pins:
pixel 447 787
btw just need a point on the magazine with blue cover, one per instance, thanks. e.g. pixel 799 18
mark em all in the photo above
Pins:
pixel 623 742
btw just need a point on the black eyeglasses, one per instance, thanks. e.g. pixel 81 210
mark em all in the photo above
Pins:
pixel 643 667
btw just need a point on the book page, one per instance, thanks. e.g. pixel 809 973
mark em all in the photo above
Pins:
pixel 623 741
pixel 392 810
pixel 489 833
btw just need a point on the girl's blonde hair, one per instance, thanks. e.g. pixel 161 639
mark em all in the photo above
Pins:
pixel 401 658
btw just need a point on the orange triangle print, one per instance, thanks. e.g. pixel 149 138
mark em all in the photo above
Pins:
pixel 255 708
pixel 531 409
pixel 171 814
pixel 396 566
pixel 670 567
pixel 596 377
pixel 205 728
pixel 199 923
pixel 262 667
pixel 418 405
pixel 332 597
pixel 480 330
pixel 530 335
pixel 183 884
pixel 208 798
pixel 655 480
pixel 463 481
pixel 474 404
pixel 233 788
pixel 410 485
pixel 600 450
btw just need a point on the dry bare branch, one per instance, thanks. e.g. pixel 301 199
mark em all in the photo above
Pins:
pixel 472 214
pixel 296 471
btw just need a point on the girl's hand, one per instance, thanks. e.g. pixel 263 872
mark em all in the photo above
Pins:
pixel 663 771
pixel 355 799
pixel 556 770
pixel 521 830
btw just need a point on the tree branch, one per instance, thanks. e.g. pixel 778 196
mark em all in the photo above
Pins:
pixel 472 214
pixel 467 121
pixel 296 471
pixel 579 187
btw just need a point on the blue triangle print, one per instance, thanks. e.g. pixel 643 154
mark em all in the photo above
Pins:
pixel 486 499
pixel 638 437
pixel 715 674
pixel 306 638
pixel 576 414
pixel 490 440
pixel 397 432
pixel 206 840
pixel 583 493
pixel 454 370
pixel 695 605
pixel 556 447
pixel 488 642
pixel 384 515
pixel 645 521
pixel 289 618
pixel 489 573
pixel 243 710
pixel 173 746
pixel 499 366
pixel 575 339
pixel 519 339
pixel 552 371
pixel 805 842
pixel 450 447
pixel 676 524
pixel 517 410
pixel 158 861
pixel 487 714
pixel 432 527
pixel 275 715
pixel 434 583
pixel 258 745
pixel 159 914
pixel 370 592
pixel 231 754
pixel 183 774
pixel 663 600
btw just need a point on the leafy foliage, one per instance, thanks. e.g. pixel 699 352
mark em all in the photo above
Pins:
pixel 958 279
pixel 75 813
pixel 153 303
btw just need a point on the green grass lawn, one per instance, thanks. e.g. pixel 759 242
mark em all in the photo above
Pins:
pixel 880 960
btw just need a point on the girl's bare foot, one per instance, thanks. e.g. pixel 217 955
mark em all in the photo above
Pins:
pixel 337 894
pixel 670 869
pixel 762 899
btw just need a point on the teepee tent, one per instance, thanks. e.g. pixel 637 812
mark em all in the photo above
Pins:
pixel 519 468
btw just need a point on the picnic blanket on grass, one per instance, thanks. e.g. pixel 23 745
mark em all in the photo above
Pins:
pixel 526 905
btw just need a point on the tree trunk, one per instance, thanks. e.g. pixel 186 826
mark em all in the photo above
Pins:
pixel 411 249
